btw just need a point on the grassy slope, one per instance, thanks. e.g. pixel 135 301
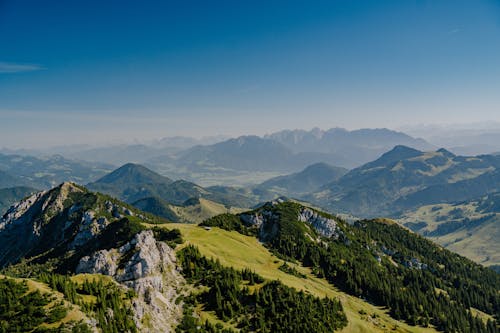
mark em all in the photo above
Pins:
pixel 202 211
pixel 74 313
pixel 479 243
pixel 239 251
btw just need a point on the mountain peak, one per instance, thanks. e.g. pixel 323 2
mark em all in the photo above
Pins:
pixel 132 172
pixel 397 153
pixel 445 152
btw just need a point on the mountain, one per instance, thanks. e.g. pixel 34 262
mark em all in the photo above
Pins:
pixel 133 182
pixel 194 210
pixel 252 159
pixel 376 260
pixel 61 219
pixel 136 153
pixel 11 195
pixel 46 172
pixel 243 153
pixel 69 230
pixel 405 178
pixel 471 227
pixel 307 180
pixel 281 267
pixel 158 207
pixel 347 148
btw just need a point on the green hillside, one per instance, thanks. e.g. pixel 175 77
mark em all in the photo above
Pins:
pixel 235 250
pixel 308 180
pixel 134 182
pixel 193 210
pixel 381 262
pixel 282 267
pixel 405 178
pixel 471 228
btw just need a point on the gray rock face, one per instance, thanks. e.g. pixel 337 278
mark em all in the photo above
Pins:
pixel 89 227
pixel 265 221
pixel 325 226
pixel 16 212
pixel 151 271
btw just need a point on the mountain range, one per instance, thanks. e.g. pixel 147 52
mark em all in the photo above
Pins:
pixel 405 178
pixel 46 172
pixel 308 180
pixel 133 182
pixel 280 267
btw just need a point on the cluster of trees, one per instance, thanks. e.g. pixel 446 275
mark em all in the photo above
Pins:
pixel 271 307
pixel 25 311
pixel 439 293
pixel 291 270
pixel 20 311
pixel 229 222
pixel 110 306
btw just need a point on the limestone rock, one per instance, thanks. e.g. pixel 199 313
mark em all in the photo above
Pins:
pixel 151 271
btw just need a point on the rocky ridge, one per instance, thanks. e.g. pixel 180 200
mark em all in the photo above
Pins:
pixel 264 220
pixel 149 268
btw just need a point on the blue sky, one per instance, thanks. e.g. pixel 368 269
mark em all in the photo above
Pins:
pixel 101 71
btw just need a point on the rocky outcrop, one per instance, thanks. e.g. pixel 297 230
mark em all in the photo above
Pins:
pixel 266 221
pixel 327 227
pixel 89 227
pixel 149 268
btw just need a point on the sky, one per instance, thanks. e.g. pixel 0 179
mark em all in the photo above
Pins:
pixel 117 71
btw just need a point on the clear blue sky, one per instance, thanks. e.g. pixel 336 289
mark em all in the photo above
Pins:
pixel 88 71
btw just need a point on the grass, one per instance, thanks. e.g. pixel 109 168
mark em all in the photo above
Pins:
pixel 73 312
pixel 479 244
pixel 239 251
pixel 202 211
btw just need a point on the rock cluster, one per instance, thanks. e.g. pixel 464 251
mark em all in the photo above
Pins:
pixel 325 226
pixel 148 267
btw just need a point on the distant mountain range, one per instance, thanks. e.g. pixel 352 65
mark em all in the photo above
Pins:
pixel 405 178
pixel 133 182
pixel 308 180
pixel 293 150
pixel 46 172
pixel 347 148
pixel 236 161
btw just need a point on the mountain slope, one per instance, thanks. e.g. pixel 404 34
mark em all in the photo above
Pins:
pixel 46 172
pixel 347 148
pixel 59 220
pixel 307 180
pixel 69 230
pixel 29 304
pixel 133 182
pixel 9 196
pixel 246 252
pixel 471 228
pixel 151 287
pixel 405 178
pixel 379 261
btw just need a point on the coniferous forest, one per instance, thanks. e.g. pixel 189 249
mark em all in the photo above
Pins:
pixel 420 282
pixel 252 303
